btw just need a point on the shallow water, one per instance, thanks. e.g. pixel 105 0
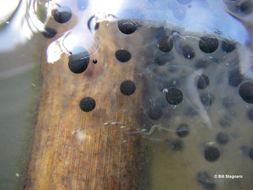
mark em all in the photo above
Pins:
pixel 193 66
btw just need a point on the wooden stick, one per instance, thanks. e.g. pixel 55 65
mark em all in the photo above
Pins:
pixel 94 150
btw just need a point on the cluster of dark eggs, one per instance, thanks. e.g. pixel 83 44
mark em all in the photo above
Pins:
pixel 172 95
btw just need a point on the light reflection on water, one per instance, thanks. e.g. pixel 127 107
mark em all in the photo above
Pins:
pixel 200 16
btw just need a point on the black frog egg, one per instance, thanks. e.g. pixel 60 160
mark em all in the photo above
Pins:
pixel 123 55
pixel 174 96
pixel 250 114
pixel 211 153
pixel 208 44
pixel 175 144
pixel 235 77
pixel 228 46
pixel 202 81
pixel 127 26
pixel 182 130
pixel 222 138
pixel 207 99
pixel 87 104
pixel 201 64
pixel 62 14
pixel 79 60
pixel 188 52
pixel 206 180
pixel 155 112
pixel 127 87
pixel 246 92
pixel 245 7
pixel 49 32
pixel 251 153
pixel 165 44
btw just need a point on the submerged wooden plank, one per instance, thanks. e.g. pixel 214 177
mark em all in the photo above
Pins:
pixel 73 149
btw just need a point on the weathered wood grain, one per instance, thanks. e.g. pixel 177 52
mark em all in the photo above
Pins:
pixel 75 150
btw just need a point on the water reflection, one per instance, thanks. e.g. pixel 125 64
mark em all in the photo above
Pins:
pixel 195 16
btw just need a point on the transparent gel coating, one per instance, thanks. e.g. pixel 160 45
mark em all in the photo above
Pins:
pixel 191 64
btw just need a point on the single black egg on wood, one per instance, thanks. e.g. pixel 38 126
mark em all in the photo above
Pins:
pixel 87 104
pixel 79 60
pixel 127 87
pixel 127 26
pixel 123 55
